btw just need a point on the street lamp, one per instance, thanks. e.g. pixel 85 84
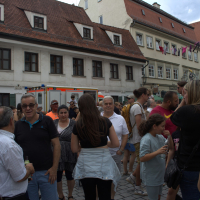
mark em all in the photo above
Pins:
pixel 144 78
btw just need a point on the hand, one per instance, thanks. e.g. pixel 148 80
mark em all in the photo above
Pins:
pixel 119 153
pixel 30 168
pixel 162 150
pixel 166 133
pixel 52 175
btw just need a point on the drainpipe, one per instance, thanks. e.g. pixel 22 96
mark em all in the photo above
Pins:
pixel 146 64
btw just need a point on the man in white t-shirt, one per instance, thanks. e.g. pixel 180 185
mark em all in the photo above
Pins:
pixel 137 115
pixel 121 130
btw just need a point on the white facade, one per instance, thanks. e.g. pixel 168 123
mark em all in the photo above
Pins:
pixel 13 81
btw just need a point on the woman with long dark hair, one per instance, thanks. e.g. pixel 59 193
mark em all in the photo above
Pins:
pixel 187 118
pixel 95 166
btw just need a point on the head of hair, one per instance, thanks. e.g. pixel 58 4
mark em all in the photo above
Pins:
pixel 6 114
pixel 193 89
pixel 146 126
pixel 62 107
pixel 149 102
pixel 19 111
pixel 12 107
pixel 182 83
pixel 100 103
pixel 159 102
pixel 138 93
pixel 72 96
pixel 90 120
pixel 27 96
pixel 169 96
pixel 108 97
pixel 53 101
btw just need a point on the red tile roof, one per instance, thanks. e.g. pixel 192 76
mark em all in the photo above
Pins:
pixel 61 30
pixel 152 14
pixel 196 26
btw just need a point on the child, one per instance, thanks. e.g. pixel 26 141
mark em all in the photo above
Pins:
pixel 152 145
pixel 73 99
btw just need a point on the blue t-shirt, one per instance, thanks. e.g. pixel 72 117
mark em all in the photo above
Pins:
pixel 152 172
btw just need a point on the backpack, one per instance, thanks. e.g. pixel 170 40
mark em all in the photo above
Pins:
pixel 126 114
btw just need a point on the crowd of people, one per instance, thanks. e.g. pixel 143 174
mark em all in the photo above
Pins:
pixel 88 142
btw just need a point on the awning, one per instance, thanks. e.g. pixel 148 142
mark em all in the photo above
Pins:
pixel 156 98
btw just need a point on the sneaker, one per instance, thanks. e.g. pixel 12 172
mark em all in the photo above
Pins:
pixel 131 179
pixel 139 190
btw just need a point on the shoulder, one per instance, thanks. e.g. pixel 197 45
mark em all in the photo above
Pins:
pixel 47 118
pixel 135 106
pixel 145 139
pixel 49 113
pixel 72 122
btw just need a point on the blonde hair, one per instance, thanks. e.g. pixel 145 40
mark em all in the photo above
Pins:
pixel 193 89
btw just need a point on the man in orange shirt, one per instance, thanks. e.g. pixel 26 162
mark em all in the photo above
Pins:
pixel 54 107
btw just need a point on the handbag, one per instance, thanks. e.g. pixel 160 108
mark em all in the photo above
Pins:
pixel 173 173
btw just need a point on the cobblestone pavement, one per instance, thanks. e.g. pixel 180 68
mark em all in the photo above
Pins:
pixel 125 191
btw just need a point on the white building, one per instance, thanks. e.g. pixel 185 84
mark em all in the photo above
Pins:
pixel 151 28
pixel 55 43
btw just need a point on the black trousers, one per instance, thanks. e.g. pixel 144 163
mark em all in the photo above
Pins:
pixel 103 187
pixel 17 197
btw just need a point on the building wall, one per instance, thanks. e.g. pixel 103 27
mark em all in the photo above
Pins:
pixel 17 77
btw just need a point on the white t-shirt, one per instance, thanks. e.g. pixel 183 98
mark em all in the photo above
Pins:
pixel 73 101
pixel 136 110
pixel 60 129
pixel 149 109
pixel 121 129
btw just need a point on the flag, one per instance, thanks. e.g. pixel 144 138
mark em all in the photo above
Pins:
pixel 184 50
pixel 161 49
pixel 190 48
pixel 175 50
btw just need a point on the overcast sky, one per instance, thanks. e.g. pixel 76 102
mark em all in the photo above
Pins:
pixel 185 10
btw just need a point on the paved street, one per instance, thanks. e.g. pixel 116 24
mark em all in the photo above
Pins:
pixel 124 191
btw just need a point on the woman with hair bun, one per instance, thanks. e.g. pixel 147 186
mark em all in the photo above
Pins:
pixel 152 145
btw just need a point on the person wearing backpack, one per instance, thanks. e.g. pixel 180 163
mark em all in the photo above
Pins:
pixel 129 148
pixel 137 114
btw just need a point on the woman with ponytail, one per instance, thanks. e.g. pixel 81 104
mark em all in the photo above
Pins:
pixel 152 154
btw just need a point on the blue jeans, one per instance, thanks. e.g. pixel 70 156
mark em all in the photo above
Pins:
pixel 40 182
pixel 188 185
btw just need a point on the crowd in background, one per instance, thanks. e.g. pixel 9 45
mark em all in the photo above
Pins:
pixel 87 142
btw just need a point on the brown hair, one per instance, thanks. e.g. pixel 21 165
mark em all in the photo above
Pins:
pixel 182 83
pixel 146 126
pixel 90 121
pixel 138 93
pixel 169 96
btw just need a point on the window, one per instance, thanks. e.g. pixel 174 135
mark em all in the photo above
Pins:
pixel 143 12
pixel 185 74
pixel 183 54
pixel 38 22
pixel 143 71
pixel 87 33
pixel 151 70
pixel 168 73
pixel 116 40
pixel 189 55
pixel 114 71
pixel 97 68
pixel 149 42
pixel 175 74
pixel 160 19
pixel 4 99
pixel 86 4
pixel 158 43
pixel 166 46
pixel 195 57
pixel 5 59
pixel 184 30
pixel 99 0
pixel 1 12
pixel 139 39
pixel 160 72
pixel 78 67
pixel 115 98
pixel 56 64
pixel 31 62
pixel 101 19
pixel 129 73
pixel 172 25
pixel 39 98
pixel 174 49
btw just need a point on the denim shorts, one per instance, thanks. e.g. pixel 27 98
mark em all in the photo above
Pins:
pixel 188 185
pixel 130 147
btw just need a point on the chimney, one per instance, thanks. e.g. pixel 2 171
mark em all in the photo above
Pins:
pixel 156 5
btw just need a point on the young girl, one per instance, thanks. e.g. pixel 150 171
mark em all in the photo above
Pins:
pixel 152 151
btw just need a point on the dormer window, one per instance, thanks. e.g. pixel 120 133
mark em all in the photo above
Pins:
pixel 143 12
pixel 160 19
pixel 1 13
pixel 184 30
pixel 87 33
pixel 116 40
pixel 38 22
pixel 172 25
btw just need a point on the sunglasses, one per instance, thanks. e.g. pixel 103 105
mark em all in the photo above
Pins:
pixel 31 105
pixel 54 103
pixel 128 98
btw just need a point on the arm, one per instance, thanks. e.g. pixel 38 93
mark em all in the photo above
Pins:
pixel 123 144
pixel 29 170
pixel 56 156
pixel 150 156
pixel 75 143
pixel 138 120
pixel 114 142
